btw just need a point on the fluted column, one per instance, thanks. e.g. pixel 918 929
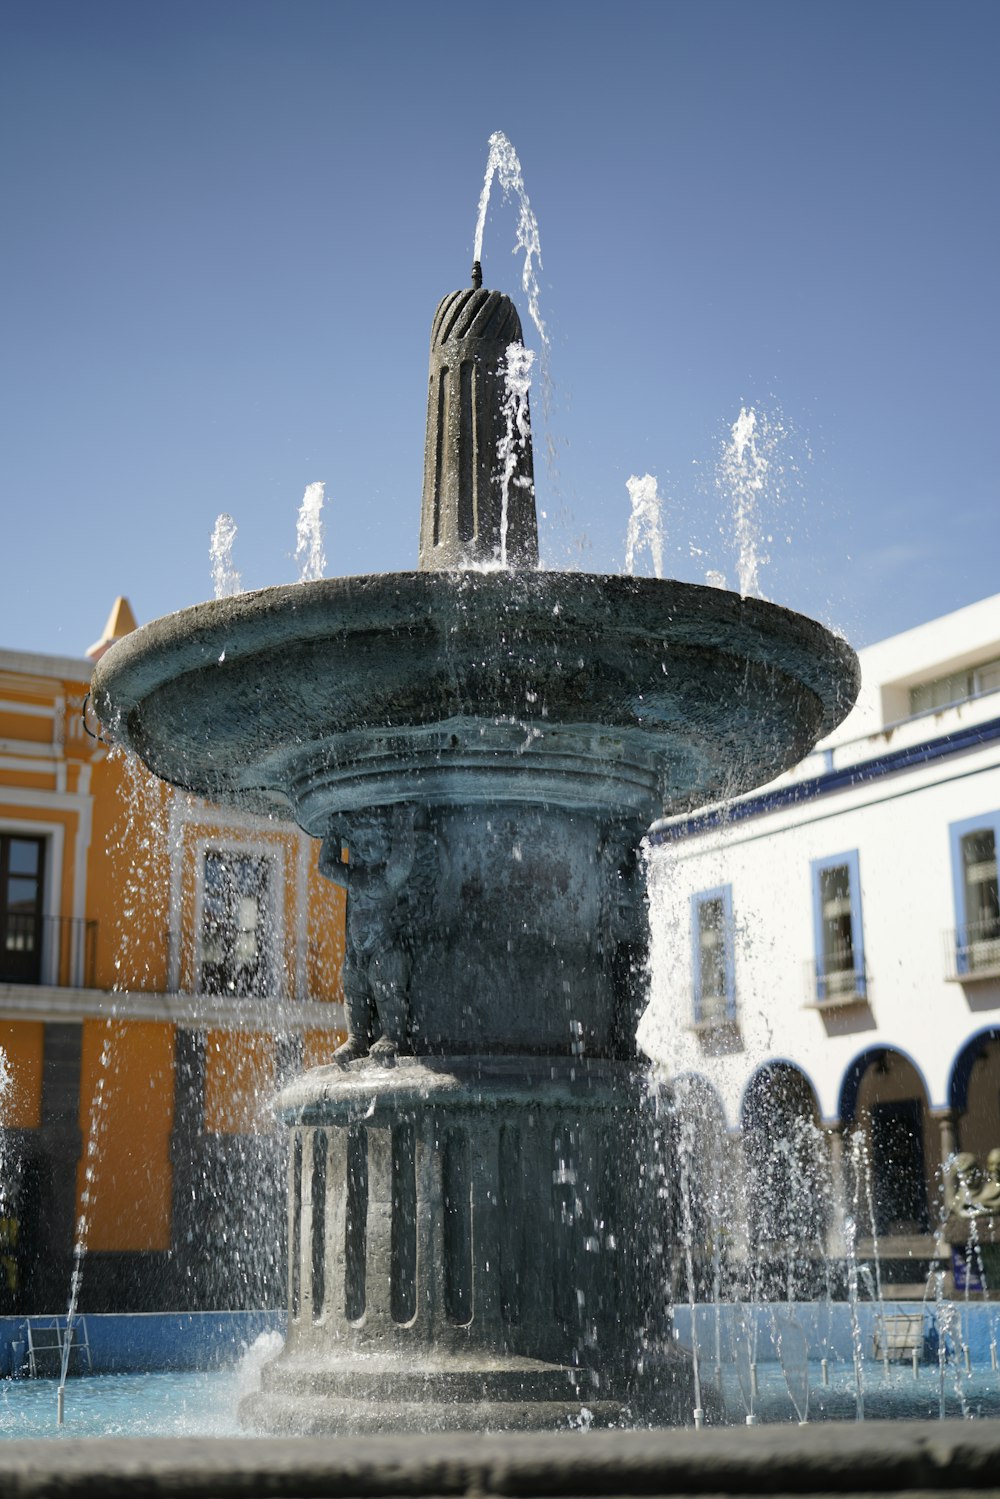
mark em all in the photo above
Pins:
pixel 378 1254
pixel 336 1227
pixel 306 1229
pixel 484 1144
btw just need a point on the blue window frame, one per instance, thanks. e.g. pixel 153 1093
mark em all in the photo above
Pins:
pixel 713 956
pixel 837 929
pixel 974 844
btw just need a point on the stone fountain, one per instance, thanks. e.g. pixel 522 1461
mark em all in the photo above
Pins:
pixel 476 1201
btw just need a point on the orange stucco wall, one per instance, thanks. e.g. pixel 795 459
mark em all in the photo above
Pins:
pixel 23 1043
pixel 239 1082
pixel 128 876
pixel 318 1047
pixel 127 1113
pixel 325 927
pixel 125 853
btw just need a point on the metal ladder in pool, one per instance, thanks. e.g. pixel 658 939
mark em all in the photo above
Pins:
pixel 47 1336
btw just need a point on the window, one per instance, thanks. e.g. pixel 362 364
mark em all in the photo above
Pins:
pixel 977 898
pixel 840 960
pixel 714 975
pixel 956 687
pixel 22 885
pixel 234 923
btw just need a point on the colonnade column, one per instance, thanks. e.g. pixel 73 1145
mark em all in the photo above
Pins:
pixel 948 1128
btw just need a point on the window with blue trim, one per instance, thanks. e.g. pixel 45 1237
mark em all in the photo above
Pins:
pixel 839 937
pixel 977 897
pixel 714 967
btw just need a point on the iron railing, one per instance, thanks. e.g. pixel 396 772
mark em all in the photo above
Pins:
pixel 714 1010
pixel 973 951
pixel 840 976
pixel 54 950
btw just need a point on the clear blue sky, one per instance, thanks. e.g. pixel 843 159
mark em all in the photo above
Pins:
pixel 228 223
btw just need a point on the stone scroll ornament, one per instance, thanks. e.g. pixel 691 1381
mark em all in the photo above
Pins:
pixel 388 876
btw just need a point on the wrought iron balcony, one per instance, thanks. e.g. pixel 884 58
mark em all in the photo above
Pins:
pixel 973 952
pixel 839 977
pixel 714 1010
pixel 59 951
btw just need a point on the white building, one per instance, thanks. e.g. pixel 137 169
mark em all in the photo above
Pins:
pixel 828 948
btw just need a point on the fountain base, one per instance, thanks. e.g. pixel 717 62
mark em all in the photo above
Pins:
pixel 365 1397
pixel 472 1244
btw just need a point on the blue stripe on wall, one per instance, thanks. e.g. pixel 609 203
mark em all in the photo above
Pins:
pixel 835 780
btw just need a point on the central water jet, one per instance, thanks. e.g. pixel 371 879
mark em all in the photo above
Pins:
pixel 478 1196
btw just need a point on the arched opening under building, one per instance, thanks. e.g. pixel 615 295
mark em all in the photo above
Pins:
pixel 974 1094
pixel 787 1182
pixel 893 1152
pixel 971 1137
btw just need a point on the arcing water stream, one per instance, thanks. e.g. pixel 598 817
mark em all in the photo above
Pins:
pixel 503 162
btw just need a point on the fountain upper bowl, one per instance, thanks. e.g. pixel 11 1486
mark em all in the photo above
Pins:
pixel 627 693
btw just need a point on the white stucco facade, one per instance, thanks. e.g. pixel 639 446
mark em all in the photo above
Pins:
pixel 863 841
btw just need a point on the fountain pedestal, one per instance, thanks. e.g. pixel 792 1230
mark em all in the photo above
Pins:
pixel 469 1248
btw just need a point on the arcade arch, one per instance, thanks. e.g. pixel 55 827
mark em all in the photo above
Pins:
pixel 787 1174
pixel 974 1094
pixel 884 1108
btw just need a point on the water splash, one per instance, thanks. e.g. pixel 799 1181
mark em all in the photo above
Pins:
pixel 97 1123
pixel 6 1083
pixel 502 161
pixel 309 553
pixel 263 1350
pixel 6 1089
pixel 517 430
pixel 645 524
pixel 742 475
pixel 142 828
pixel 225 579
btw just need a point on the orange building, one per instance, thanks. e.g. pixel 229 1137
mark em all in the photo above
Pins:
pixel 163 966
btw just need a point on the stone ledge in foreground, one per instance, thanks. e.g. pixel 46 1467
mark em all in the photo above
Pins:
pixel 865 1458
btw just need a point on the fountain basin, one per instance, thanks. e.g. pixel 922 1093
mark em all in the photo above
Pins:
pixel 517 732
pixel 622 695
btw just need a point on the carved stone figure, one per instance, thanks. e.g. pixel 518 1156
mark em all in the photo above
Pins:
pixel 382 851
pixel 978 1190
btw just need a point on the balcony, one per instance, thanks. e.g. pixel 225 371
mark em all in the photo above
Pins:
pixel 713 1011
pixel 717 1024
pixel 837 980
pixel 56 951
pixel 973 952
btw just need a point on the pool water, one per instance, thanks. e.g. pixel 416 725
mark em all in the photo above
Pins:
pixel 125 1405
pixel 205 1404
pixel 896 1396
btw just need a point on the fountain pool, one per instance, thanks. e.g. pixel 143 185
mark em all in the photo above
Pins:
pixel 189 1403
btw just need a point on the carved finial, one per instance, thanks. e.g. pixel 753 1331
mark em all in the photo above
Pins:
pixel 466 517
pixel 477 274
